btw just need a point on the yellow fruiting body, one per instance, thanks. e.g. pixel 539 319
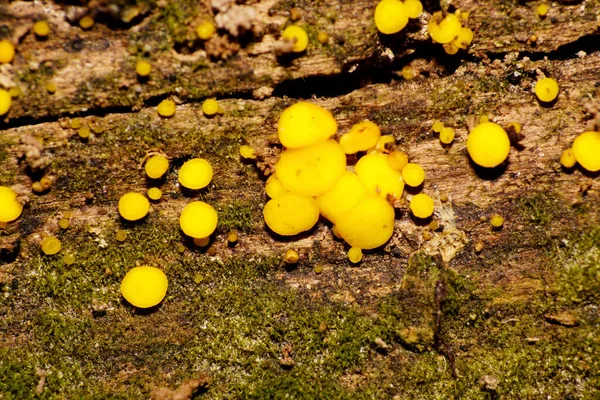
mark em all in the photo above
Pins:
pixel 379 177
pixel 144 286
pixel 290 214
pixel 7 51
pixel 414 8
pixel 232 237
pixel 312 170
pixel 198 220
pixel 14 91
pixel 121 235
pixel 542 10
pixel 143 68
pixel 5 101
pixel 154 193
pixel 46 183
pixel 407 72
pixel 586 149
pixel 51 245
pixel 202 242
pixel 133 206
pixel 322 37
pixel 210 107
pixel 298 36
pixel 10 208
pixel 291 257
pixel 447 135
pixel 156 166
pixel 362 136
pixel 391 16
pixel 347 193
pixel 63 223
pixel 451 48
pixel 205 30
pixel 546 89
pixel 488 145
pixel 497 221
pixel 438 126
pixel 421 205
pixel 443 29
pixel 247 152
pixel 37 187
pixel 166 108
pixel 195 174
pixel 75 123
pixel 69 259
pixel 86 22
pixel 273 187
pixel 84 132
pixel 483 119
pixel 367 225
pixel 464 38
pixel 413 174
pixel 355 255
pixel 41 29
pixel 567 158
pixel 398 160
pixel 304 124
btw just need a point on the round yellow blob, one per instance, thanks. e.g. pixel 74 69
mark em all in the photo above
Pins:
pixel 586 149
pixel 156 166
pixel 10 208
pixel 7 51
pixel 247 152
pixel 488 144
pixel 567 158
pixel 133 206
pixel 143 68
pixel 144 287
pixel 166 108
pixel 86 22
pixel 347 193
pixel 304 124
pixel 379 177
pixel 497 221
pixel 154 193
pixel 5 101
pixel 51 245
pixel 195 174
pixel 447 135
pixel 299 37
pixel 290 214
pixel 438 126
pixel 391 16
pixel 362 136
pixel 355 255
pixel 210 107
pixel 313 170
pixel 398 160
pixel 205 30
pixel 413 174
pixel 41 29
pixel 367 225
pixel 414 8
pixel 421 205
pixel 443 29
pixel 464 39
pixel 198 220
pixel 273 187
pixel 546 89
pixel 542 10
pixel 291 256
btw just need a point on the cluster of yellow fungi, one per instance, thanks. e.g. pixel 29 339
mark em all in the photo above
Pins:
pixel 311 179
pixel 391 16
pixel 448 29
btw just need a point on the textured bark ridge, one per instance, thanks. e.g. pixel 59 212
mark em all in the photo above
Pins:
pixel 471 312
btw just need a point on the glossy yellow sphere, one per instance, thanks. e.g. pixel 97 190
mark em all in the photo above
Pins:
pixel 546 89
pixel 205 30
pixel 7 51
pixel 156 166
pixel 379 177
pixel 290 214
pixel 198 220
pixel 195 174
pixel 10 208
pixel 143 68
pixel 421 205
pixel 51 245
pixel 5 101
pixel 391 16
pixel 488 144
pixel 133 206
pixel 346 194
pixel 304 124
pixel 443 29
pixel 144 286
pixel 41 29
pixel 298 36
pixel 166 108
pixel 413 174
pixel 362 136
pixel 586 149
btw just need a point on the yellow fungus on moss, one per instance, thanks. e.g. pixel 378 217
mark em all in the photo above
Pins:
pixel 51 245
pixel 347 193
pixel 166 108
pixel 210 107
pixel 247 152
pixel 46 183
pixel 464 38
pixel 290 214
pixel 567 158
pixel 273 187
pixel 355 255
pixel 37 187
pixel 232 237
pixel 497 221
pixel 413 174
pixel 414 8
pixel 198 220
pixel 304 124
pixel 291 257
pixel 298 36
pixel 51 87
pixel 143 68
pixel 322 37
pixel 75 123
pixel 488 144
pixel 379 177
pixel 312 170
pixel 447 135
pixel 156 166
pixel 367 225
pixel 546 89
pixel 362 136
pixel 391 16
pixel 133 206
pixel 144 286
pixel 7 51
pixel 69 259
pixel 41 29
pixel 154 193
pixel 398 160
pixel 205 30
pixel 120 235
pixel 195 174
pixel 10 208
pixel 84 132
pixel 86 22
pixel 421 205
pixel 443 29
pixel 5 101
pixel 542 10
pixel 586 149
pixel 63 223
pixel 437 126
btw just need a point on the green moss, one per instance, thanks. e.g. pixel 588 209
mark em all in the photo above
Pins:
pixel 537 208
pixel 238 215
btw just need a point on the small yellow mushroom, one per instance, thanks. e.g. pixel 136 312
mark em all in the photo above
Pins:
pixel 7 52
pixel 437 126
pixel 379 177
pixel 586 149
pixel 447 135
pixel 121 235
pixel 195 174
pixel 414 8
pixel 210 107
pixel 156 166
pixel 75 123
pixel 542 10
pixel 198 220
pixel 367 225
pixel 144 286
pixel 398 160
pixel 298 36
pixel 413 174
pixel 5 101
pixel 41 29
pixel 205 30
pixel 84 132
pixel 443 29
pixel 63 223
pixel 10 208
pixel 385 143
pixel 133 206
pixel 304 124
pixel 166 108
pixel 247 152
pixel 86 22
pixel 69 259
pixel 290 214
pixel 546 89
pixel 567 158
pixel 497 221
pixel 51 245
pixel 355 255
pixel 143 68
pixel 362 136
pixel 407 72
pixel 322 37
pixel 291 257
pixel 421 205
pixel 273 187
pixel 154 193
pixel 391 16
pixel 232 237
pixel 488 145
